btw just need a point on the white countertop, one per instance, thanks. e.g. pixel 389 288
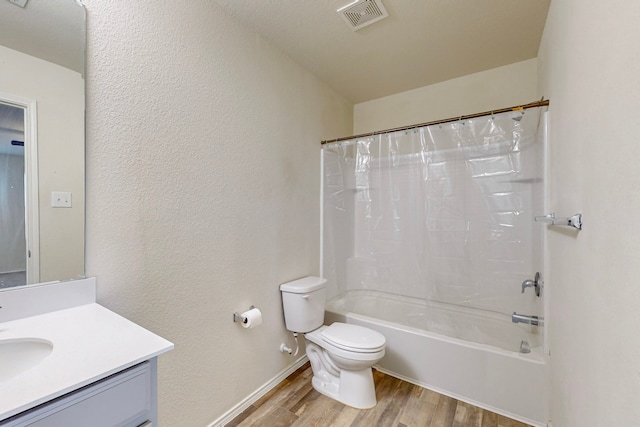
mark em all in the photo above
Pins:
pixel 90 343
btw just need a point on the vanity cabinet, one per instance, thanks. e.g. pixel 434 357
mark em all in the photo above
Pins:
pixel 125 399
pixel 101 372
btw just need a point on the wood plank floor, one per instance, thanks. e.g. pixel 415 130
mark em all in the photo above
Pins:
pixel 400 404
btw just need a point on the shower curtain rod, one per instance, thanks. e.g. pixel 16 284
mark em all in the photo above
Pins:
pixel 541 103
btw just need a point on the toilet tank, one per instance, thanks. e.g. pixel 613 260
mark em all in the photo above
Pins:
pixel 303 303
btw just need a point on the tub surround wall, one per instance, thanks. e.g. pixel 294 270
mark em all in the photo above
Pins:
pixel 202 190
pixel 590 64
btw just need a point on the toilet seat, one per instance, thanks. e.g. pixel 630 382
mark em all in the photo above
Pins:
pixel 345 352
pixel 353 338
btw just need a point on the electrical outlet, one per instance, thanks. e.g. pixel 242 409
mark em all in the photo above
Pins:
pixel 21 3
pixel 60 199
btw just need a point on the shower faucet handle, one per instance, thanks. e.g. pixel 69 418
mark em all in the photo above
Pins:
pixel 535 284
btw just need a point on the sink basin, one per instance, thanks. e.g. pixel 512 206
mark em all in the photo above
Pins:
pixel 20 354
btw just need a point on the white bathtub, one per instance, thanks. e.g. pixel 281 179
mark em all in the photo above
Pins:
pixel 467 354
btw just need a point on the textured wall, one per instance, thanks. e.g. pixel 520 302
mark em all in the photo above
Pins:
pixel 60 110
pixel 202 190
pixel 497 88
pixel 590 68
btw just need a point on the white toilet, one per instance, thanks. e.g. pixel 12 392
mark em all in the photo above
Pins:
pixel 341 355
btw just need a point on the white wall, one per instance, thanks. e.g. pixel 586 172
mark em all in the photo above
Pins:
pixel 590 71
pixel 497 88
pixel 203 151
pixel 60 155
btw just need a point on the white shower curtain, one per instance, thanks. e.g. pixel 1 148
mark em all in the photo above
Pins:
pixel 441 213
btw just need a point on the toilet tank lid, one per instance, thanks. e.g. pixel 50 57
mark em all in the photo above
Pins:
pixel 304 285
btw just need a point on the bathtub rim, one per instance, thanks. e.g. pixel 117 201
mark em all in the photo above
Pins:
pixel 537 354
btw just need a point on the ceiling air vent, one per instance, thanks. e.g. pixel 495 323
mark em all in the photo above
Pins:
pixel 361 13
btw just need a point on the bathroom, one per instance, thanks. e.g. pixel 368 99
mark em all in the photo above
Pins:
pixel 202 193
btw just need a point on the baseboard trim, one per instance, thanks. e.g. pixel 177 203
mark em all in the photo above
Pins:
pixel 253 397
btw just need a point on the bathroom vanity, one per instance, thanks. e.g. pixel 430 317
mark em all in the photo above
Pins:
pixel 65 361
pixel 74 365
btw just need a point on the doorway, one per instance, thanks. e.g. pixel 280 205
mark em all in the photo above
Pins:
pixel 19 242
pixel 13 251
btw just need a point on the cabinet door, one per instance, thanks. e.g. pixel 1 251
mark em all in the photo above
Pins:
pixel 121 400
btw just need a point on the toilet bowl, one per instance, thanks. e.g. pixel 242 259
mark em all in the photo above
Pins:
pixel 342 370
pixel 341 354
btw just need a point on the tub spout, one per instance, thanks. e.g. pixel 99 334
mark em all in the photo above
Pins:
pixel 529 320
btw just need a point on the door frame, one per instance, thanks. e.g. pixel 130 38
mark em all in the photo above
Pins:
pixel 32 212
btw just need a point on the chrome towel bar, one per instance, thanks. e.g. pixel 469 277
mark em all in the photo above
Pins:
pixel 574 221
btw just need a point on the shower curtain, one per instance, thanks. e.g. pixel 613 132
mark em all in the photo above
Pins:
pixel 440 214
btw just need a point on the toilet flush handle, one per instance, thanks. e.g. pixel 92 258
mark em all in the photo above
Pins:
pixel 305 296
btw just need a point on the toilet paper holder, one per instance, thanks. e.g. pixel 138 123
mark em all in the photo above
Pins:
pixel 237 317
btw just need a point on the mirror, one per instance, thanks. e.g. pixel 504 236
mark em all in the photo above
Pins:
pixel 42 63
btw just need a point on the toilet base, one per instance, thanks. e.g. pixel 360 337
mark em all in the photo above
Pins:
pixel 352 388
pixel 342 375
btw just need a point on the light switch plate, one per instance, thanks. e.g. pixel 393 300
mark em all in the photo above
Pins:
pixel 60 199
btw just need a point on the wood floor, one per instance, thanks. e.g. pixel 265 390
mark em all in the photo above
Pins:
pixel 400 404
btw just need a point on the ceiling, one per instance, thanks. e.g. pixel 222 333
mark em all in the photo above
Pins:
pixel 422 42
pixel 53 30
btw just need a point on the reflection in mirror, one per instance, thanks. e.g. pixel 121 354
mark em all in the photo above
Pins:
pixel 42 47
pixel 13 253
